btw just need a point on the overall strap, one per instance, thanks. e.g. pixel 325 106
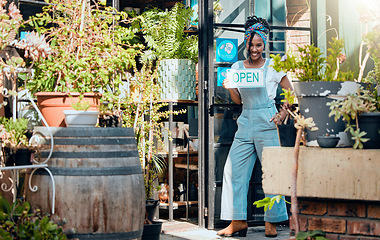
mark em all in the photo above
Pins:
pixel 267 61
pixel 241 65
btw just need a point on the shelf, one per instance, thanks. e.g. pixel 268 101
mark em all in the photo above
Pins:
pixel 178 204
pixel 177 153
pixel 191 32
pixel 184 166
pixel 179 101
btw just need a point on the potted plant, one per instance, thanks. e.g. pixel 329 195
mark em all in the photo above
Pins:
pixel 176 50
pixel 361 109
pixel 15 141
pixel 319 78
pixel 92 48
pixel 361 112
pixel 79 116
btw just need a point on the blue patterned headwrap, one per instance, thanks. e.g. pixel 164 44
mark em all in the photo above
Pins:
pixel 259 29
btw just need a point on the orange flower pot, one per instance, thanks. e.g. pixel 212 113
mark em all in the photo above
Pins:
pixel 52 104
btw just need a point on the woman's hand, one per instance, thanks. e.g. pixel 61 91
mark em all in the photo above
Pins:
pixel 279 117
pixel 226 81
pixel 235 95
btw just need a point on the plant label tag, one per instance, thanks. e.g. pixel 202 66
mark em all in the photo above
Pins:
pixel 245 78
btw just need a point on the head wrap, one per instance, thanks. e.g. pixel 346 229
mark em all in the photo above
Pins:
pixel 259 29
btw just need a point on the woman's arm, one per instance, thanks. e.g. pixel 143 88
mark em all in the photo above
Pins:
pixel 285 83
pixel 279 117
pixel 235 95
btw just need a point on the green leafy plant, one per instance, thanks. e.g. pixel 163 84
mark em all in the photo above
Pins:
pixel 81 106
pixel 312 66
pixel 349 109
pixel 268 202
pixel 13 133
pixel 92 48
pixel 143 111
pixel 164 34
pixel 17 221
pixel 312 235
pixel 371 40
pixel 288 105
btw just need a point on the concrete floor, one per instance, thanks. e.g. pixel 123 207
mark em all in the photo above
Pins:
pixel 179 230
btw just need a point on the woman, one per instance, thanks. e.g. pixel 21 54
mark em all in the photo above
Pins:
pixel 256 129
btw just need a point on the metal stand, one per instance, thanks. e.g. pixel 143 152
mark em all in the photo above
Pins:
pixel 170 159
pixel 15 179
pixel 171 168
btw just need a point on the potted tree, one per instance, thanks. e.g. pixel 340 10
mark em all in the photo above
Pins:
pixel 91 51
pixel 175 49
pixel 319 78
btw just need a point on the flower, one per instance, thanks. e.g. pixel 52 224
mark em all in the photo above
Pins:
pixel 35 46
pixel 301 122
pixel 14 12
pixel 342 58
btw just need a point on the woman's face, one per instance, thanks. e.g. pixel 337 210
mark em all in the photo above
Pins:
pixel 257 47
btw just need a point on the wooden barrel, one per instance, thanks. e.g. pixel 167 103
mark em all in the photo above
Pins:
pixel 99 186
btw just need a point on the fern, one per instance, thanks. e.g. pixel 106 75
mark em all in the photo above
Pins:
pixel 164 33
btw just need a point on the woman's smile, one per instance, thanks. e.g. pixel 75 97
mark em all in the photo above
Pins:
pixel 256 47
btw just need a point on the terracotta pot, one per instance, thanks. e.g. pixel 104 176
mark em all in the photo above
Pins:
pixel 52 104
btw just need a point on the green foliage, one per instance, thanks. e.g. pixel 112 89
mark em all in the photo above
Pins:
pixel 312 66
pixel 372 40
pixel 289 96
pixel 144 112
pixel 349 109
pixel 13 132
pixel 80 106
pixel 92 48
pixel 268 202
pixel 312 235
pixel 164 34
pixel 17 221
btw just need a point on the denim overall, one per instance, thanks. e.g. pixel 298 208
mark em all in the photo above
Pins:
pixel 255 131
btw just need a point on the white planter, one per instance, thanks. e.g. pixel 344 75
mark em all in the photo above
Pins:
pixel 74 118
pixel 177 79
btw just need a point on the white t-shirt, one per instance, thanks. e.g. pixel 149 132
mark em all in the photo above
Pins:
pixel 272 79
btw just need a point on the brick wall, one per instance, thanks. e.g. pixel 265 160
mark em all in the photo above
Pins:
pixel 345 220
pixel 298 15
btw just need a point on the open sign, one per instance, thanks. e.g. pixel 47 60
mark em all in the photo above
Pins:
pixel 246 78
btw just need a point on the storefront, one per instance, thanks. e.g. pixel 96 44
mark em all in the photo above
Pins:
pixel 215 112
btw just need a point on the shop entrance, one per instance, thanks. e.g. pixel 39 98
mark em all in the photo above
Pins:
pixel 217 112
